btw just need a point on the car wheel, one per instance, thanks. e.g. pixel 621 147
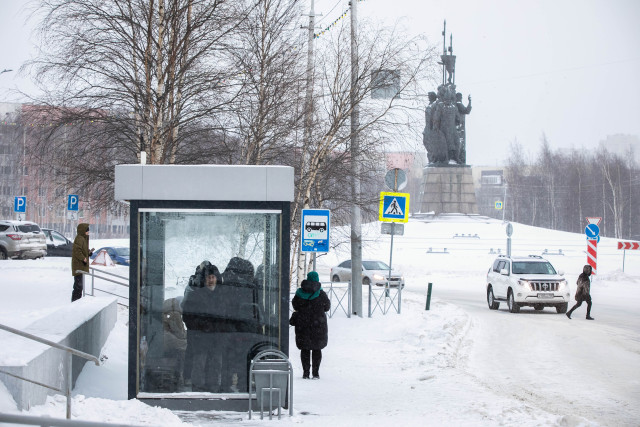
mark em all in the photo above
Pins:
pixel 493 304
pixel 335 278
pixel 538 307
pixel 366 281
pixel 3 254
pixel 562 308
pixel 513 305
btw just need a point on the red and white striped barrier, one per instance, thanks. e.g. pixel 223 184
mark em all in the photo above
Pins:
pixel 592 254
pixel 629 245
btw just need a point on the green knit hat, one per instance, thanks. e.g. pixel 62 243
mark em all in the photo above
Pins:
pixel 313 276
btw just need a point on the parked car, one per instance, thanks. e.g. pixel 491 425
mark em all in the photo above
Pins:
pixel 119 255
pixel 21 239
pixel 526 281
pixel 57 244
pixel 374 272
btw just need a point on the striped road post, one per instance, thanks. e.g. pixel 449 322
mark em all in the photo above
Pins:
pixel 592 254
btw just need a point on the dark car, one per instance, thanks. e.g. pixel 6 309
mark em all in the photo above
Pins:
pixel 57 244
pixel 119 254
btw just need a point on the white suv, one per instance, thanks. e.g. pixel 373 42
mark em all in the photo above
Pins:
pixel 21 239
pixel 526 281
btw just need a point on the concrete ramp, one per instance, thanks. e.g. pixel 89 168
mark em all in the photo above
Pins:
pixel 83 325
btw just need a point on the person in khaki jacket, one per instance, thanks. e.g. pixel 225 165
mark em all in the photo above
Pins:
pixel 80 255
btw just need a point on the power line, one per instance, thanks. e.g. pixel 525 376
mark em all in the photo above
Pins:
pixel 550 72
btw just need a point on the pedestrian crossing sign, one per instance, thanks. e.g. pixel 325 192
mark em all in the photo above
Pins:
pixel 394 207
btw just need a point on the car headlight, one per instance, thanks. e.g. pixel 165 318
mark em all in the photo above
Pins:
pixel 524 283
pixel 378 277
pixel 562 282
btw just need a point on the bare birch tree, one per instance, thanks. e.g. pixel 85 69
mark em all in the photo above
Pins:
pixel 382 122
pixel 150 75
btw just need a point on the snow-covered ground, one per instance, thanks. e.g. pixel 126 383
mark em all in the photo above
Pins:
pixel 456 364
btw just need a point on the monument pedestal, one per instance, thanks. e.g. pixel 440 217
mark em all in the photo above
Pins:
pixel 448 190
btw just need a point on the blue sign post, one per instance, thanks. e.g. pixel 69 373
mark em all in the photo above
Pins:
pixel 20 207
pixel 592 231
pixel 20 204
pixel 394 207
pixel 315 230
pixel 73 202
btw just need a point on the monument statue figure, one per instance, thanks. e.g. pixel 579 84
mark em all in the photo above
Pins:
pixel 428 120
pixel 444 135
pixel 460 127
pixel 447 181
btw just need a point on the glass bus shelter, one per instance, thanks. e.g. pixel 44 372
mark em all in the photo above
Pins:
pixel 209 279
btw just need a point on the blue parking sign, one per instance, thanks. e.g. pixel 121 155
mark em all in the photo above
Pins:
pixel 72 202
pixel 20 204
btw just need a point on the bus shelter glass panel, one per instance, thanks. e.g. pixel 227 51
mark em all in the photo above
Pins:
pixel 209 297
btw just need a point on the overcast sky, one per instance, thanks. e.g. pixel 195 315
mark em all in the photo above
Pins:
pixel 568 69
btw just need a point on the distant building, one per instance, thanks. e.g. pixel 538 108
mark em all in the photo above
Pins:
pixel 491 193
pixel 623 145
pixel 45 190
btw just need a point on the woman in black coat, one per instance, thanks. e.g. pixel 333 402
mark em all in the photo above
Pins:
pixel 583 292
pixel 312 333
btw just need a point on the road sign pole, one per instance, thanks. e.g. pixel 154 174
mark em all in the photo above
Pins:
pixel 386 293
pixel 592 255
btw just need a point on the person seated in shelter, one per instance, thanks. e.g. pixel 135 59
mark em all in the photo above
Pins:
pixel 175 336
pixel 204 311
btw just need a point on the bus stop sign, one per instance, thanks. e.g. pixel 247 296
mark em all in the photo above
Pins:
pixel 315 230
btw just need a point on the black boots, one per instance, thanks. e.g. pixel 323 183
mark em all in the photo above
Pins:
pixel 590 318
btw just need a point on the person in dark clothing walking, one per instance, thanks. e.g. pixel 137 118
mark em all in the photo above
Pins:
pixel 80 254
pixel 583 293
pixel 312 333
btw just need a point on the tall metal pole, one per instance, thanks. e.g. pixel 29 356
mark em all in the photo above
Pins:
pixel 308 102
pixel 504 201
pixel 308 118
pixel 356 222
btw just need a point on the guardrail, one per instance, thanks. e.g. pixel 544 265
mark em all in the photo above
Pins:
pixel 340 291
pixel 124 282
pixel 466 236
pixel 435 251
pixel 70 352
pixel 389 297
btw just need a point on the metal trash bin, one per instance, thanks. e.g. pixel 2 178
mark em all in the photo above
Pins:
pixel 272 373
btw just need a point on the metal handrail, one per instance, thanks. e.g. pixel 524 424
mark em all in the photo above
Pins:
pixel 70 352
pixel 94 276
pixel 46 421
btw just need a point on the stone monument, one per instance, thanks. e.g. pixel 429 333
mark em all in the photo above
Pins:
pixel 447 181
